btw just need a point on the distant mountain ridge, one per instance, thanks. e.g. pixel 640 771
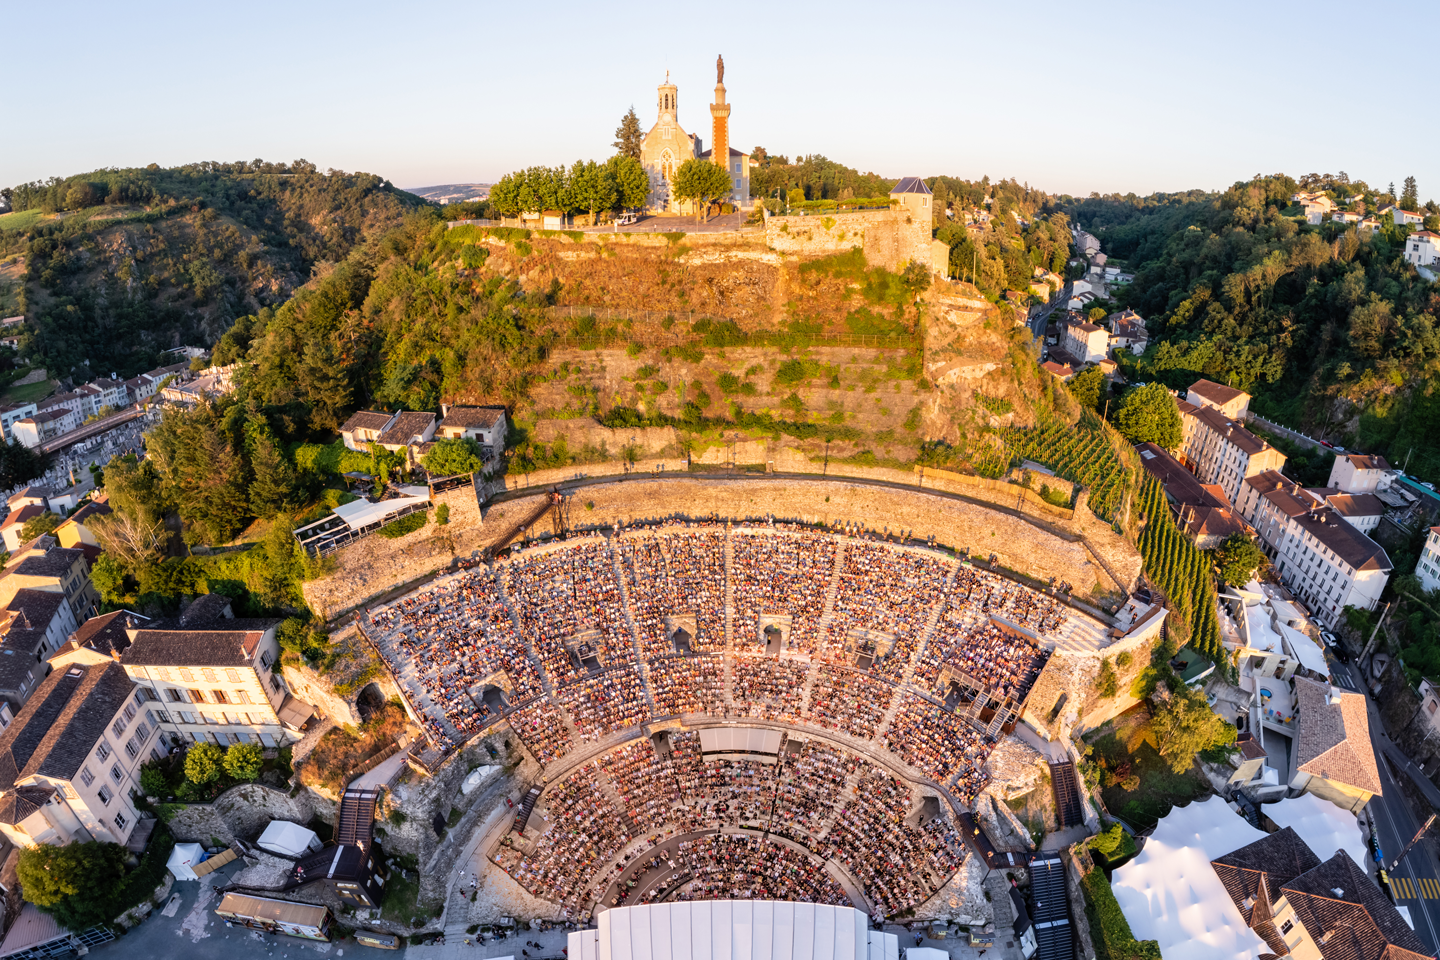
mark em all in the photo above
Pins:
pixel 452 192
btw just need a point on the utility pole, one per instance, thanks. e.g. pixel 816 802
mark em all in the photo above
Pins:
pixel 1413 840
pixel 1370 645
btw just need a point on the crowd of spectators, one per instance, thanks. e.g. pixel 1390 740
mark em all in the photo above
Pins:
pixel 677 570
pixel 887 591
pixel 851 701
pixel 768 688
pixel 780 573
pixel 688 685
pixel 582 835
pixel 739 867
pixel 604 703
pixel 568 592
pixel 939 743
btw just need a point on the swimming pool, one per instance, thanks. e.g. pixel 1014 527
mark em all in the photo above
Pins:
pixel 1265 693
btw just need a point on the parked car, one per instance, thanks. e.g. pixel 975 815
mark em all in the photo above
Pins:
pixel 626 219
pixel 1327 443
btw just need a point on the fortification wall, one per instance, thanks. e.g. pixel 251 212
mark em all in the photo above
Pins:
pixel 244 812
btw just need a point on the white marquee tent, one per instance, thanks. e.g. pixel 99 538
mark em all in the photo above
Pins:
pixel 288 839
pixel 1323 826
pixel 184 858
pixel 1170 893
pixel 733 930
pixel 718 743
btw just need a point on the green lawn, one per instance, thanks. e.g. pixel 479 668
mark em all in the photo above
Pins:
pixel 28 393
pixel 20 220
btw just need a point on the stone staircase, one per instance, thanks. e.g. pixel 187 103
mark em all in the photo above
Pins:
pixel 636 652
pixel 1069 806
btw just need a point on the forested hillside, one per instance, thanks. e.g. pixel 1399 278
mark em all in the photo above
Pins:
pixel 121 264
pixel 1327 325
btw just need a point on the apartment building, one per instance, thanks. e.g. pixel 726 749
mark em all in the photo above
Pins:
pixel 1233 403
pixel 1326 561
pixel 1427 568
pixel 42 564
pixel 214 677
pixel 1086 342
pixel 1361 510
pixel 45 426
pixel 69 761
pixel 1219 450
pixel 13 412
pixel 1360 473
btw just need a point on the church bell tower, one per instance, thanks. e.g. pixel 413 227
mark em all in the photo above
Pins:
pixel 666 99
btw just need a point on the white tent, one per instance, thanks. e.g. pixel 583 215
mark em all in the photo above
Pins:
pixel 733 930
pixel 288 839
pixel 1306 650
pixel 183 860
pixel 925 953
pixel 1170 893
pixel 362 513
pixel 1323 826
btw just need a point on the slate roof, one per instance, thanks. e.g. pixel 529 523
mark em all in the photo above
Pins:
pixel 1334 739
pixel 205 609
pixel 407 427
pixel 61 722
pixel 1338 902
pixel 1349 544
pixel 106 633
pixel 483 417
pixel 55 562
pixel 1214 392
pixel 1181 486
pixel 16 805
pixel 910 185
pixel 91 509
pixel 368 419
pixel 168 643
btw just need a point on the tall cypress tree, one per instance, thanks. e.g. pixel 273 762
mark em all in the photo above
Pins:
pixel 628 135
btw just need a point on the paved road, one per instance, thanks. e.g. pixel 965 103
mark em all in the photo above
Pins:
pixel 1042 316
pixel 1415 881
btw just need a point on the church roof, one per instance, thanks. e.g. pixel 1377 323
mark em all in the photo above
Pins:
pixel 733 152
pixel 910 185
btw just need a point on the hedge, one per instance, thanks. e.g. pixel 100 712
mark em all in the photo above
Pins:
pixel 1109 930
pixel 407 524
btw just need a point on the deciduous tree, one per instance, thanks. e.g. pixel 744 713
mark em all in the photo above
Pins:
pixel 243 761
pixel 1238 558
pixel 702 183
pixel 632 183
pixel 453 456
pixel 1148 415
pixel 203 763
pixel 1184 726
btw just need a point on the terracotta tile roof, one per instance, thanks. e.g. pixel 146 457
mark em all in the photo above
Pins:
pixel 1215 392
pixel 1287 495
pixel 484 417
pixel 24 513
pixel 1367 461
pixel 1336 901
pixel 367 419
pixel 1356 504
pixel 1334 738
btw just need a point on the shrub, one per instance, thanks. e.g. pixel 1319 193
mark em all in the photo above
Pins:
pixel 203 763
pixel 1108 684
pixel 243 761
pixel 404 525
pixel 442 514
pixel 153 782
pixel 1108 927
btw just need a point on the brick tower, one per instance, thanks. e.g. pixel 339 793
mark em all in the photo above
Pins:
pixel 720 120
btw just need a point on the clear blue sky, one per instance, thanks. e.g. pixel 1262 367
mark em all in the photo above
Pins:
pixel 1107 96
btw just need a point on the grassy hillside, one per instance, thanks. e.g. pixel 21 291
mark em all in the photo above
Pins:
pixel 121 264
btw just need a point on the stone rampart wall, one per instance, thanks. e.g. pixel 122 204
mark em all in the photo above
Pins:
pixel 244 812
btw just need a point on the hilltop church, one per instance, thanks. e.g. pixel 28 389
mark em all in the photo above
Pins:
pixel 667 145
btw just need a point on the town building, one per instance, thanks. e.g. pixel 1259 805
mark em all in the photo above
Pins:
pixel 1361 510
pixel 1423 248
pixel 1221 451
pixel 1427 568
pixel 1430 701
pixel 45 425
pixel 1062 370
pixel 11 413
pixel 353 866
pixel 1086 244
pixel 74 531
pixel 1406 218
pixel 13 525
pixel 69 761
pixel 33 625
pixel 42 564
pixel 1360 473
pixel 1233 403
pixel 1334 758
pixel 1085 342
pixel 364 428
pixel 1202 511
pixel 487 426
pixel 1127 332
pixel 215 678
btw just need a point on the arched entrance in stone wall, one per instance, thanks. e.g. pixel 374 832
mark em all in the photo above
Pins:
pixel 370 701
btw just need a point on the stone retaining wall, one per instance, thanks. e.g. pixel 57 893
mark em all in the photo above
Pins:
pixel 242 813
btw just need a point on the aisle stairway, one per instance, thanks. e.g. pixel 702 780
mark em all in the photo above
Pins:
pixel 1069 803
pixel 355 820
pixel 1053 933
pixel 527 805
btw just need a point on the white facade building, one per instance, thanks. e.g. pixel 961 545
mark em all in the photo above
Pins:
pixel 1423 248
pixel 1427 568
pixel 1360 473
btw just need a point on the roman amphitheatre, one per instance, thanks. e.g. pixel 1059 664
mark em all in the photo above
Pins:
pixel 723 695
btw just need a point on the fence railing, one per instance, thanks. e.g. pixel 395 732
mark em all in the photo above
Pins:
pixel 473 223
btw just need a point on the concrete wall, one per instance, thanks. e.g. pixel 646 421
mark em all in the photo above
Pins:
pixel 890 238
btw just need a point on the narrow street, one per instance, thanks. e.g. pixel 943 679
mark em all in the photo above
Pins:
pixel 1415 881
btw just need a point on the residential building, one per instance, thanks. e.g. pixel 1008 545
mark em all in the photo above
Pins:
pixel 1334 758
pixel 69 762
pixel 408 431
pixel 1202 511
pixel 33 625
pixel 1220 451
pixel 13 412
pixel 364 428
pixel 74 532
pixel 15 522
pixel 32 495
pixel 1407 218
pixel 1086 342
pixel 46 425
pixel 1314 198
pixel 1233 403
pixel 1359 473
pixel 1330 565
pixel 43 564
pixel 1361 510
pixel 1430 700
pixel 1302 906
pixel 74 401
pixel 1062 370
pixel 1423 248
pixel 1427 568
pixel 207 385
pixel 1086 244
pixel 1127 332
pixel 216 677
pixel 1346 216
pixel 485 425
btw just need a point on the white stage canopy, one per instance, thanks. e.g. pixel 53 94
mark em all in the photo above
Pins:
pixel 740 740
pixel 1323 826
pixel 1306 650
pixel 362 513
pixel 733 930
pixel 1170 893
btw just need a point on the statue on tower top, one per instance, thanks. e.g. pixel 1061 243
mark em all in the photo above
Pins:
pixel 719 69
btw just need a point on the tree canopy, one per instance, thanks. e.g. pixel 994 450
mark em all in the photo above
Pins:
pixel 453 456
pixel 1239 558
pixel 702 183
pixel 586 187
pixel 203 763
pixel 1185 726
pixel 1148 414
pixel 628 136
pixel 1086 387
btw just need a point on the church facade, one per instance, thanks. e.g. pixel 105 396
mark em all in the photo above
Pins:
pixel 667 146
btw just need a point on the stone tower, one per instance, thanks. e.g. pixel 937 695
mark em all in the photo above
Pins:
pixel 720 120
pixel 667 101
